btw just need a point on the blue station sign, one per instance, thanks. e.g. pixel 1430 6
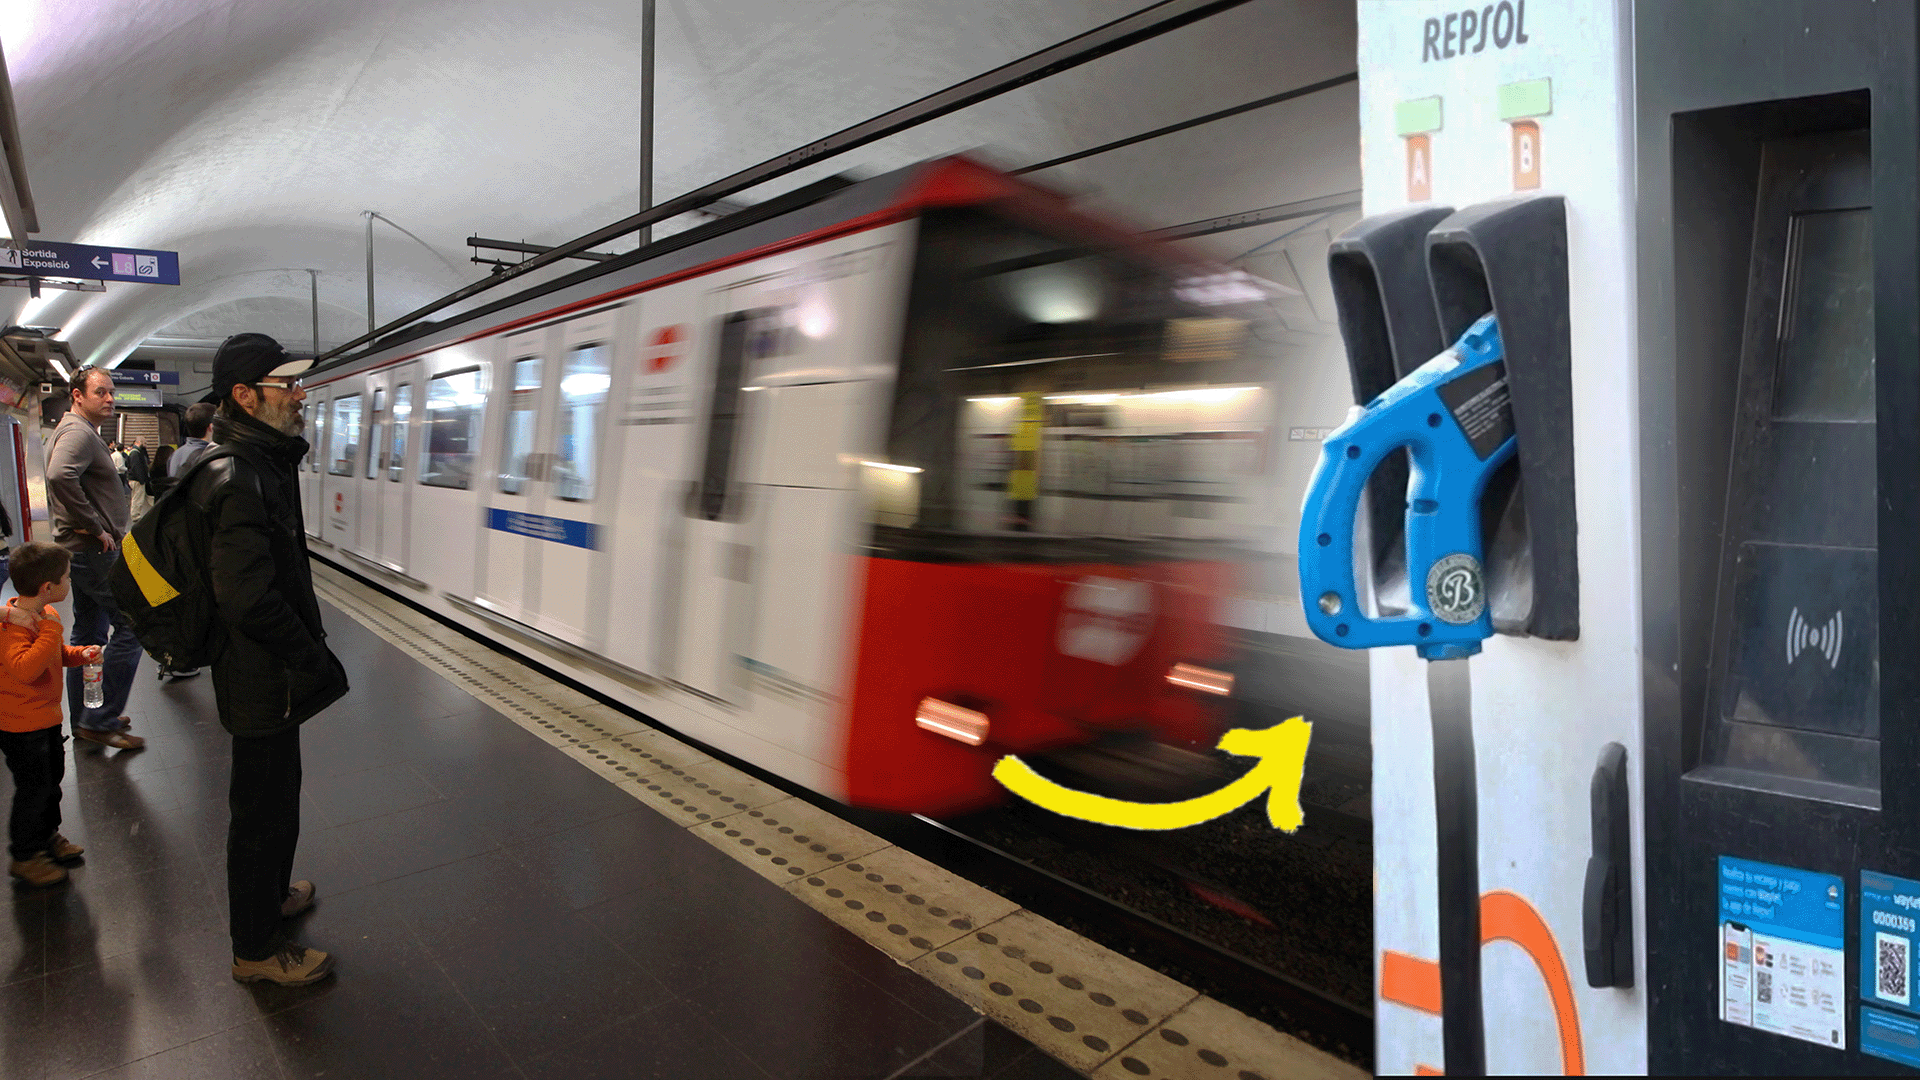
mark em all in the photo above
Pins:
pixel 45 258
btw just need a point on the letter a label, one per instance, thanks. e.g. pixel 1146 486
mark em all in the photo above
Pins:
pixel 1419 168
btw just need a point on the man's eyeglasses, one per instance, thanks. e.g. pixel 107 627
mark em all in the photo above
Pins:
pixel 281 384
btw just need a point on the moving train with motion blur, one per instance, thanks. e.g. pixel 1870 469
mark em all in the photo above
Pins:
pixel 867 485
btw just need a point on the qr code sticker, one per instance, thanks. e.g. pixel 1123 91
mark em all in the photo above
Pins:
pixel 1893 955
pixel 1763 988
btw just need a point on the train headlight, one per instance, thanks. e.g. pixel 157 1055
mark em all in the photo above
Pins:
pixel 1205 680
pixel 956 723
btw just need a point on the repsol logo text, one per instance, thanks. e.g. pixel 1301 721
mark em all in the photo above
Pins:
pixel 1471 31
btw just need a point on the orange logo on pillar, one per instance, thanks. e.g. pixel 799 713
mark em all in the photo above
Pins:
pixel 1419 168
pixel 663 348
pixel 339 502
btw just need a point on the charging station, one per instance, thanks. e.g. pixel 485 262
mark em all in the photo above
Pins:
pixel 1779 367
pixel 1674 781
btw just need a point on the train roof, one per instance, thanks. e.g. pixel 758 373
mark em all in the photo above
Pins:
pixel 817 212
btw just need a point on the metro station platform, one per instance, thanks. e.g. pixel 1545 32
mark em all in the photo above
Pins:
pixel 520 881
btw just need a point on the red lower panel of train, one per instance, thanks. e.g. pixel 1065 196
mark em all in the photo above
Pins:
pixel 1052 654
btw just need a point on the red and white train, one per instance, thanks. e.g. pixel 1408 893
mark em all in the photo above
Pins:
pixel 898 477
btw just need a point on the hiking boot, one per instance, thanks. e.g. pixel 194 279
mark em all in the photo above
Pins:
pixel 39 870
pixel 119 740
pixel 292 965
pixel 299 898
pixel 60 849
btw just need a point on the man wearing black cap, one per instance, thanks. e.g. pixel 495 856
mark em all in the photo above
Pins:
pixel 274 670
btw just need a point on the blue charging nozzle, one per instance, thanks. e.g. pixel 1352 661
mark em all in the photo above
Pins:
pixel 1454 417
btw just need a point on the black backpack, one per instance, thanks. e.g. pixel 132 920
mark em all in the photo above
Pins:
pixel 162 581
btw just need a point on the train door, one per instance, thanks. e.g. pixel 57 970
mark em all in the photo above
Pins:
pixel 369 481
pixel 509 569
pixel 314 410
pixel 574 493
pixel 395 493
pixel 717 542
pixel 346 413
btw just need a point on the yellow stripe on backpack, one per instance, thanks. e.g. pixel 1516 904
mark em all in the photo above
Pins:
pixel 154 587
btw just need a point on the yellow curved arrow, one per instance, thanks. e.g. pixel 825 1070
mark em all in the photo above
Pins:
pixel 1282 750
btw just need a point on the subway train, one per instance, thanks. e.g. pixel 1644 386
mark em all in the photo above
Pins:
pixel 867 486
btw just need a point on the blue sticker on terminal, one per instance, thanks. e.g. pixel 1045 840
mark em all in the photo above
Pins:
pixel 580 534
pixel 1783 951
pixel 1889 918
pixel 1890 1036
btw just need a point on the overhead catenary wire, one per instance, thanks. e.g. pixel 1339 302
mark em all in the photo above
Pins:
pixel 1149 22
pixel 1261 103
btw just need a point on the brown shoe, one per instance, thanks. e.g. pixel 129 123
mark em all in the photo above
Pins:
pixel 293 965
pixel 299 898
pixel 60 849
pixel 119 740
pixel 39 870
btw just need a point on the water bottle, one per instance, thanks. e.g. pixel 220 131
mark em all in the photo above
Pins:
pixel 93 693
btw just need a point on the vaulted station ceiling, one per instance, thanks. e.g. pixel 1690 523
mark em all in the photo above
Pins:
pixel 251 135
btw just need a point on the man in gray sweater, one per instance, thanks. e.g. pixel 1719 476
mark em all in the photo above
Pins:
pixel 88 504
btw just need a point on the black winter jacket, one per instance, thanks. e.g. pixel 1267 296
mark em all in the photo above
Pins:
pixel 273 670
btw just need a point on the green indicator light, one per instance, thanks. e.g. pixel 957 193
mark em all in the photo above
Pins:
pixel 1417 117
pixel 1523 99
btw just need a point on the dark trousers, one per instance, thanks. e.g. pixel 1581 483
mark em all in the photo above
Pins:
pixel 94 610
pixel 38 762
pixel 263 795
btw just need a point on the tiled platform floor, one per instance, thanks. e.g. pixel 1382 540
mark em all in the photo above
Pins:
pixel 497 911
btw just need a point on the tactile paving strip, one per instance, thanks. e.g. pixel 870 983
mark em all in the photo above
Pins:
pixel 787 840
pixel 1054 987
pixel 1083 1004
pixel 1210 1039
pixel 901 903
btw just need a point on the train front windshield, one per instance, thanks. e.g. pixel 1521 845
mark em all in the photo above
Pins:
pixel 1054 395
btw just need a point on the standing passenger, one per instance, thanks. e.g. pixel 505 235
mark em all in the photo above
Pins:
pixel 274 670
pixel 88 504
pixel 140 500
pixel 199 415
pixel 30 660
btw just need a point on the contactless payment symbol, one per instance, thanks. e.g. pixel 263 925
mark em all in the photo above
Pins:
pixel 1456 593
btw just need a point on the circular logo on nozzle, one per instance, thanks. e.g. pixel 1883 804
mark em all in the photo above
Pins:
pixel 1456 591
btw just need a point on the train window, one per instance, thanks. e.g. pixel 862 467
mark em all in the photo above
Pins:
pixel 1063 389
pixel 402 412
pixel 456 402
pixel 738 338
pixel 375 447
pixel 516 451
pixel 346 435
pixel 583 402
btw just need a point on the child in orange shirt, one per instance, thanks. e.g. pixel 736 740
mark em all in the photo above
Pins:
pixel 31 682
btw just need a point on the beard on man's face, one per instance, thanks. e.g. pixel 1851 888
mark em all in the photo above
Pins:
pixel 282 416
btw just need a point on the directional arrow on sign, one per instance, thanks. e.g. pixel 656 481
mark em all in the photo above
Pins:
pixel 98 262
